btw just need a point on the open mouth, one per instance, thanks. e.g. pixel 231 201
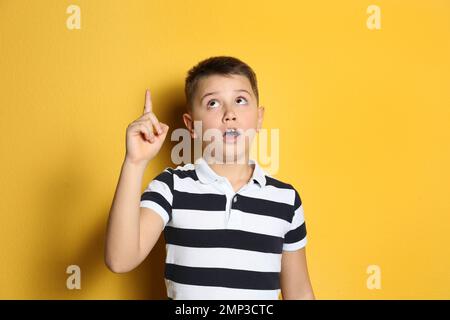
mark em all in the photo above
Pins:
pixel 231 135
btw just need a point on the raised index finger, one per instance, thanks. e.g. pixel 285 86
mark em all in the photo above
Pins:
pixel 148 102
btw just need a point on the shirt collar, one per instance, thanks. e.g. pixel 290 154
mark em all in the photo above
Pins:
pixel 207 175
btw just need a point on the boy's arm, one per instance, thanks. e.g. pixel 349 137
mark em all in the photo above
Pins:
pixel 132 231
pixel 294 277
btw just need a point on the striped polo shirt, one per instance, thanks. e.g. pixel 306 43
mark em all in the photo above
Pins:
pixel 222 244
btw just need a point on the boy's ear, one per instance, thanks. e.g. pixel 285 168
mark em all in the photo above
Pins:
pixel 189 123
pixel 260 117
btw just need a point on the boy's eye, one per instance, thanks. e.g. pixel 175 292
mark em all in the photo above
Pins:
pixel 241 99
pixel 210 101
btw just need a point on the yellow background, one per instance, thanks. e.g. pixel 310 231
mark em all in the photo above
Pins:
pixel 363 118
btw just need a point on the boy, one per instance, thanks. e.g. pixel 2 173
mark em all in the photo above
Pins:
pixel 231 230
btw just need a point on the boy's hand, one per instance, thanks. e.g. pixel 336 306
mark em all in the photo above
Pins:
pixel 145 135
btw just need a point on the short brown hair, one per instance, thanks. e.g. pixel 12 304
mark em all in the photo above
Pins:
pixel 219 65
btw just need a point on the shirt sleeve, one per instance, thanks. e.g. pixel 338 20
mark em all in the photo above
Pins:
pixel 158 195
pixel 295 237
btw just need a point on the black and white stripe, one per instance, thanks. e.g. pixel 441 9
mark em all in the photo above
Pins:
pixel 221 244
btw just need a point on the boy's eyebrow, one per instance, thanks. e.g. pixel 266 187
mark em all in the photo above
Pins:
pixel 211 93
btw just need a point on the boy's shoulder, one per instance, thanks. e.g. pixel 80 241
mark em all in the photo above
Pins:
pixel 271 181
pixel 180 168
pixel 188 170
pixel 181 171
pixel 282 184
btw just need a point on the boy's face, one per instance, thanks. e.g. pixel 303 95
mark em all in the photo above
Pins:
pixel 223 102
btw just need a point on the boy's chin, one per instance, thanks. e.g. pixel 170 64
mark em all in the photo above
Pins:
pixel 225 153
pixel 230 155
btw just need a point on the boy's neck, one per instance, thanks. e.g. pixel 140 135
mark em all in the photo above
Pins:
pixel 241 171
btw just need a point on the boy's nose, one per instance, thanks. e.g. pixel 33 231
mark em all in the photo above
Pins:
pixel 229 114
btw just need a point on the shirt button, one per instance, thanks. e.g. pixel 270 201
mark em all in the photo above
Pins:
pixel 235 199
